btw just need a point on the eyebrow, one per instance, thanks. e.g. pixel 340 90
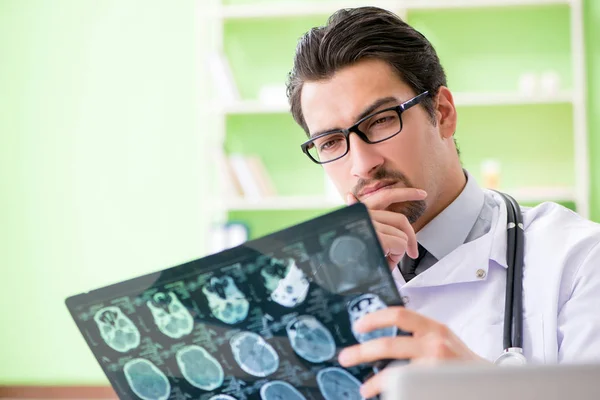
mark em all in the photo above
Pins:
pixel 365 112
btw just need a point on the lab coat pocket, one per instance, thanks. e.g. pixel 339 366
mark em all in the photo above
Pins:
pixel 486 339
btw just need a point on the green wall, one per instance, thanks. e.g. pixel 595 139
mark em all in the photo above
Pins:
pixel 592 39
pixel 102 174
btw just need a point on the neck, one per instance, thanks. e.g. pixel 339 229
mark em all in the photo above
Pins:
pixel 449 189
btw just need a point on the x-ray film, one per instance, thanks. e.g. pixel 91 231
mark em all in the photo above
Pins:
pixel 265 320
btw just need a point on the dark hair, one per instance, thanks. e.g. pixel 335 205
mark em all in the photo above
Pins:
pixel 351 35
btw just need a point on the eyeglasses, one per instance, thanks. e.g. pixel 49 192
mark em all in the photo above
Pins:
pixel 373 128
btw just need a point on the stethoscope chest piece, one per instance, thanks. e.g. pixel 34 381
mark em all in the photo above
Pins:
pixel 511 356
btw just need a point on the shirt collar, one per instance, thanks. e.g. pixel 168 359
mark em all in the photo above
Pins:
pixel 450 228
pixel 470 261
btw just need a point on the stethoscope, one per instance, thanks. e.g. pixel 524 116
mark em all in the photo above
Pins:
pixel 513 309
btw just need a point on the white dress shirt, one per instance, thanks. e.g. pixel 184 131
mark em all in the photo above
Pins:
pixel 461 282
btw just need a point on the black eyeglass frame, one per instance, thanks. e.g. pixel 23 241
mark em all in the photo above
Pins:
pixel 354 128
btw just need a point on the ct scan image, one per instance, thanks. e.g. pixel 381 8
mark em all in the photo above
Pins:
pixel 170 316
pixel 366 304
pixel 265 320
pixel 277 390
pixel 253 354
pixel 199 368
pixel 116 329
pixel 310 339
pixel 146 380
pixel 226 301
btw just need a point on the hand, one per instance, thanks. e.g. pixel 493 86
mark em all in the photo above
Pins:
pixel 430 343
pixel 395 233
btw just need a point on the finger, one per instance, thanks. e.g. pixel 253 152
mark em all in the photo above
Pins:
pixel 350 199
pixel 383 198
pixel 393 245
pixel 376 384
pixel 400 222
pixel 385 348
pixel 400 317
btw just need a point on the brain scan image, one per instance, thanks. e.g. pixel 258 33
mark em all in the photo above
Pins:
pixel 116 329
pixel 337 384
pixel 273 272
pixel 351 264
pixel 222 397
pixel 227 303
pixel 146 381
pixel 253 354
pixel 199 368
pixel 287 283
pixel 310 339
pixel 170 316
pixel 366 304
pixel 279 390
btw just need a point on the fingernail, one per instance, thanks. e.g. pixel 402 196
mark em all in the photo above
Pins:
pixel 422 192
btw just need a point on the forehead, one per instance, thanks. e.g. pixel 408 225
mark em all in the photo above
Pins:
pixel 338 101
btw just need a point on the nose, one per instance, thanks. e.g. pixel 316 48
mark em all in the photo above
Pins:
pixel 365 158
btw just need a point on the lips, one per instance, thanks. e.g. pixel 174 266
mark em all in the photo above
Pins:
pixel 373 188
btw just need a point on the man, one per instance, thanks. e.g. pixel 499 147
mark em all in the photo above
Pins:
pixel 371 95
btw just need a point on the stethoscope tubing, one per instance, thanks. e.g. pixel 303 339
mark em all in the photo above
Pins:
pixel 513 311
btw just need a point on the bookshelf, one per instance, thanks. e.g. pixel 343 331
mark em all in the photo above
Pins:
pixel 538 136
pixel 460 99
pixel 266 9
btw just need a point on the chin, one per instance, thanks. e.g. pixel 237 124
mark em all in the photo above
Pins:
pixel 412 209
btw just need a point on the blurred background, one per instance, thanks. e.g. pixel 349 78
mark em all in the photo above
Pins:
pixel 137 135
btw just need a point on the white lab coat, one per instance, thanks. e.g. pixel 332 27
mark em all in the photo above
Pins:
pixel 561 287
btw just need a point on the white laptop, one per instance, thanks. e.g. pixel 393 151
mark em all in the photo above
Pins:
pixel 461 382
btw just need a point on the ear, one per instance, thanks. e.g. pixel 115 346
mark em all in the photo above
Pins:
pixel 446 112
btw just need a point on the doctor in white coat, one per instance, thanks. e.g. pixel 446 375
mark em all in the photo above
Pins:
pixel 371 95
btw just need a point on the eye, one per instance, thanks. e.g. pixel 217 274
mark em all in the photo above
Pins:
pixel 384 119
pixel 330 143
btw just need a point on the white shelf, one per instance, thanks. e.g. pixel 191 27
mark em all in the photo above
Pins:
pixel 539 194
pixel 460 99
pixel 283 203
pixel 522 195
pixel 292 9
pixel 509 99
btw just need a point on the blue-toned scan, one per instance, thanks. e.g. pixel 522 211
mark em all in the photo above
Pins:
pixel 286 282
pixel 350 268
pixel 279 390
pixel 366 304
pixel 227 303
pixel 170 316
pixel 253 354
pixel 199 368
pixel 116 329
pixel 146 381
pixel 222 397
pixel 337 384
pixel 310 339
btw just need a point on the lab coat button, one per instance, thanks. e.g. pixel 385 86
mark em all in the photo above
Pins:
pixel 405 299
pixel 480 273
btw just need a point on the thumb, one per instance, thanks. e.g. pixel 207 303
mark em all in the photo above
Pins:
pixel 350 199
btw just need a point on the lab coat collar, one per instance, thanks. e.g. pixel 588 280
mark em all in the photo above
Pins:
pixel 449 229
pixel 470 261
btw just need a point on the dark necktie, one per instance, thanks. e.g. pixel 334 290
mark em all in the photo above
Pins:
pixel 410 264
